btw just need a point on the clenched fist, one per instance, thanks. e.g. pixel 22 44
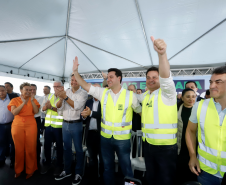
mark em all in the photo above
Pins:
pixel 159 45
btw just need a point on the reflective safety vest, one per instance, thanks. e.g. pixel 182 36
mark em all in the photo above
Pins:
pixel 117 119
pixel 52 118
pixel 211 138
pixel 159 121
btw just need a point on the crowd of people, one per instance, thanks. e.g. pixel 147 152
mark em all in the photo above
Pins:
pixel 183 135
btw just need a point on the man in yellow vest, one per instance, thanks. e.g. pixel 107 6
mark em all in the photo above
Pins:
pixel 159 121
pixel 117 105
pixel 53 130
pixel 208 118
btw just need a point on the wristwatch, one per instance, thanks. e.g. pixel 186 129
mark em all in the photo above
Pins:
pixel 51 108
pixel 66 98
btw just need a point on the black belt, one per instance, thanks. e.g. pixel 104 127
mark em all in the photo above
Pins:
pixel 73 121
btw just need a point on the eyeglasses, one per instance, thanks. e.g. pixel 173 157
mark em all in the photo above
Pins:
pixel 56 86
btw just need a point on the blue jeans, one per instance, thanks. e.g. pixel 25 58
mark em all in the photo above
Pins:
pixel 207 179
pixel 53 135
pixel 73 131
pixel 5 141
pixel 122 149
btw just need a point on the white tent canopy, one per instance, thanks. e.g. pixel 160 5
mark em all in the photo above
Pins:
pixel 41 38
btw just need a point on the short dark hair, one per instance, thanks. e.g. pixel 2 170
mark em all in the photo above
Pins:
pixel 219 70
pixel 34 86
pixel 207 92
pixel 47 87
pixel 140 90
pixel 106 85
pixel 191 82
pixel 152 69
pixel 117 72
pixel 2 86
pixel 11 85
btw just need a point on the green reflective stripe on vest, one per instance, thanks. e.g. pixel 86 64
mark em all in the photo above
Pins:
pixel 159 121
pixel 111 122
pixel 211 138
pixel 52 118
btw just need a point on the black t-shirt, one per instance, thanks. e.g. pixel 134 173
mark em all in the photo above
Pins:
pixel 185 115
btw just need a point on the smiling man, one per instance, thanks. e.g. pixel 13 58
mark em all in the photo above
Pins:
pixel 208 118
pixel 117 105
pixel 159 121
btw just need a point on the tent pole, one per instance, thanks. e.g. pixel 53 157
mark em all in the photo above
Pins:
pixel 30 39
pixel 66 35
pixel 107 52
pixel 85 55
pixel 198 38
pixel 41 52
pixel 143 29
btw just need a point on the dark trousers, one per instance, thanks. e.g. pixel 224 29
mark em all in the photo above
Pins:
pixel 93 146
pixel 53 135
pixel 38 121
pixel 208 179
pixel 42 125
pixel 122 149
pixel 184 173
pixel 5 141
pixel 161 162
pixel 73 131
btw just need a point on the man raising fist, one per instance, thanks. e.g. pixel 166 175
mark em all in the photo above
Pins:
pixel 159 121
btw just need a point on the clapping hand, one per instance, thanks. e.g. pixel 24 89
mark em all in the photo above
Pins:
pixel 86 112
pixel 48 105
pixel 61 94
pixel 159 45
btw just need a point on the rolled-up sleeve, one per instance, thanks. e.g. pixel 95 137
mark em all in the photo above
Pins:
pixel 96 92
pixel 80 101
pixel 62 106
pixel 193 118
pixel 168 87
pixel 136 104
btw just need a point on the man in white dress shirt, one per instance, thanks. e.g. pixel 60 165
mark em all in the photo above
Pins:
pixel 72 102
pixel 38 121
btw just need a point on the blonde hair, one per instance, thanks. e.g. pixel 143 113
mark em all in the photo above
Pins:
pixel 24 84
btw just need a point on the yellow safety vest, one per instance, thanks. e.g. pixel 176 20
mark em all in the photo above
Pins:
pixel 159 121
pixel 117 119
pixel 211 138
pixel 52 118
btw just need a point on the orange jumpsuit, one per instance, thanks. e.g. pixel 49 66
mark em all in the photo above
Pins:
pixel 24 133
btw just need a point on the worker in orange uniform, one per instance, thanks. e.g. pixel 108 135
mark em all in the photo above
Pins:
pixel 24 130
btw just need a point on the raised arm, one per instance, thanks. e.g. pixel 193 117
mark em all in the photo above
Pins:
pixel 164 66
pixel 78 78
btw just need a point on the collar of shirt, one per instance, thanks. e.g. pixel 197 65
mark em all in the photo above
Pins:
pixel 75 91
pixel 95 100
pixel 118 92
pixel 6 98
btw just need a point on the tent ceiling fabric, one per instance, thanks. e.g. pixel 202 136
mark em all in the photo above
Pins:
pixel 104 34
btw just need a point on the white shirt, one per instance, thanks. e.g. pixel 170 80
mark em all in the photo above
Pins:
pixel 93 121
pixel 40 100
pixel 43 113
pixel 79 98
pixel 168 93
pixel 97 92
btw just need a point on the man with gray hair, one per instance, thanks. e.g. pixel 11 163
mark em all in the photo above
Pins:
pixel 53 130
pixel 133 88
pixel 72 102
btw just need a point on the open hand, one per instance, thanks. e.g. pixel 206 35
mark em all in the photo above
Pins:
pixel 104 75
pixel 75 64
pixel 159 45
pixel 193 164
